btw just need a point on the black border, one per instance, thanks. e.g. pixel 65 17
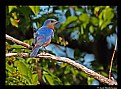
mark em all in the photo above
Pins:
pixel 51 2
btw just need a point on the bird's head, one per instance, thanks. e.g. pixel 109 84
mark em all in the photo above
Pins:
pixel 50 23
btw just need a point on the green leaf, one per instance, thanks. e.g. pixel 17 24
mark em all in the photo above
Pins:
pixel 35 9
pixel 30 74
pixel 90 80
pixel 96 9
pixel 83 74
pixel 44 79
pixel 84 18
pixel 101 15
pixel 105 17
pixel 10 68
pixel 22 68
pixel 35 79
pixel 82 30
pixel 17 46
pixel 69 20
pixel 94 21
pixel 63 65
pixel 27 79
pixel 14 22
pixel 79 9
pixel 108 13
pixel 100 22
pixel 20 59
pixel 91 29
pixel 104 24
pixel 49 79
pixel 104 73
pixel 29 60
pixel 11 8
pixel 100 68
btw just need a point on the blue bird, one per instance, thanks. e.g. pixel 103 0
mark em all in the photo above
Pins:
pixel 43 36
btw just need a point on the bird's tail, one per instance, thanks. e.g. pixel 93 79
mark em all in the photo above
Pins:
pixel 34 52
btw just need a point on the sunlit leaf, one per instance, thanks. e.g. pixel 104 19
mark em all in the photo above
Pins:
pixel 91 29
pixel 83 74
pixel 16 50
pixel 22 68
pixel 20 59
pixel 69 20
pixel 108 13
pixel 13 22
pixel 29 60
pixel 84 18
pixel 17 46
pixel 104 24
pixel 105 17
pixel 11 8
pixel 100 22
pixel 49 79
pixel 60 39
pixel 63 65
pixel 35 9
pixel 35 79
pixel 28 41
pixel 90 80
pixel 94 21
pixel 27 79
pixel 10 68
pixel 29 73
pixel 96 9
pixel 79 9
pixel 82 30
pixel 101 15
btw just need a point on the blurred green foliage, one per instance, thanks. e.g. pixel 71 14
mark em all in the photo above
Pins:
pixel 94 20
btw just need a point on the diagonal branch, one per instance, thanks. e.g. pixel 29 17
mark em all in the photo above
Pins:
pixel 17 41
pixel 71 62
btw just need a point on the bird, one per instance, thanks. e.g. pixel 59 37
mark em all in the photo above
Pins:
pixel 43 36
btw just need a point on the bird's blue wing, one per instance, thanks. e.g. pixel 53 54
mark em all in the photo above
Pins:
pixel 44 34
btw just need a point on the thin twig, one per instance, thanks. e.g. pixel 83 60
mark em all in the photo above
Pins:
pixel 112 60
pixel 73 63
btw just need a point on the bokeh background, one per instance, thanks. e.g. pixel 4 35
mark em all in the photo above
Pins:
pixel 85 34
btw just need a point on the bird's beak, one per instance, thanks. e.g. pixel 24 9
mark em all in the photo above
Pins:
pixel 56 22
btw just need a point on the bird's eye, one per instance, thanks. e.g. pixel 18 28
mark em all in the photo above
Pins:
pixel 52 21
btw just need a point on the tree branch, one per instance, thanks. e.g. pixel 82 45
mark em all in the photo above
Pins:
pixel 17 41
pixel 69 61
pixel 17 54
pixel 112 59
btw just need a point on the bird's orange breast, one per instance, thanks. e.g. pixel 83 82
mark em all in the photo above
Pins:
pixel 47 43
pixel 50 26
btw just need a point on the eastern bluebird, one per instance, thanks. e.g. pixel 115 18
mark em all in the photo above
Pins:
pixel 43 36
